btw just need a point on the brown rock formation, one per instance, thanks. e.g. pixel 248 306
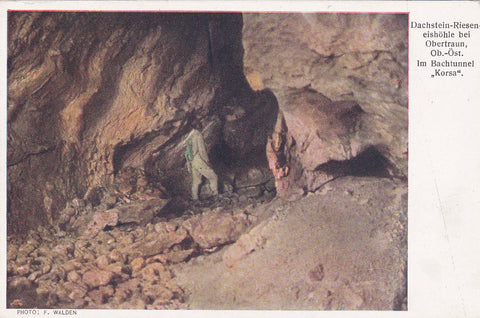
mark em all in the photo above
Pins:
pixel 92 93
pixel 341 84
pixel 216 228
pixel 99 107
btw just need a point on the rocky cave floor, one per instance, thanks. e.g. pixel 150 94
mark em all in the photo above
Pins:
pixel 342 247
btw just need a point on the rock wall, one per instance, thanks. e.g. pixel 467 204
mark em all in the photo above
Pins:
pixel 341 84
pixel 90 94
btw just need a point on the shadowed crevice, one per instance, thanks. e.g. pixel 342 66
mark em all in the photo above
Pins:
pixel 369 163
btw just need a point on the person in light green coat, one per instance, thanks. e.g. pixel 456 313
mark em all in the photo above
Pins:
pixel 198 164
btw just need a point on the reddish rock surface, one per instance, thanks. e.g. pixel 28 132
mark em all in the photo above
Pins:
pixel 119 90
pixel 341 85
pixel 215 228
pixel 99 107
pixel 96 278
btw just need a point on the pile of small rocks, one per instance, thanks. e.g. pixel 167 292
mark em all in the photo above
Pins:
pixel 113 249
pixel 78 272
pixel 118 254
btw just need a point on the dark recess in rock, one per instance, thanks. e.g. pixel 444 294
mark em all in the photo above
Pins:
pixel 369 163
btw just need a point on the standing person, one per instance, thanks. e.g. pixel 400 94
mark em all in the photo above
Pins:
pixel 197 162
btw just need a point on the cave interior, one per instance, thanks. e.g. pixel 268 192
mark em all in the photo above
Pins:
pixel 100 106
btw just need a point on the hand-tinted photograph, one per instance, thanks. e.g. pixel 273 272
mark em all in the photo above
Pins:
pixel 207 160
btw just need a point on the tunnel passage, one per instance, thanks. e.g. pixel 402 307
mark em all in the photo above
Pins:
pixel 236 149
pixel 245 136
pixel 369 163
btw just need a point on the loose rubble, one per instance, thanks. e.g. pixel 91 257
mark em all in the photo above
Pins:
pixel 153 266
pixel 119 253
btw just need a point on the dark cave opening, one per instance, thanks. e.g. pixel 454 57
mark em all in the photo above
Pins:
pixel 369 163
pixel 244 138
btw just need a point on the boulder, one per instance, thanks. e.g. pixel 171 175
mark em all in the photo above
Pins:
pixel 102 261
pixel 74 277
pixel 76 291
pixel 137 264
pixel 215 228
pixel 137 212
pixel 125 290
pixel 157 292
pixel 23 270
pixel 117 256
pixel 140 212
pixel 155 271
pixel 96 277
pixel 100 295
pixel 118 269
pixel 156 244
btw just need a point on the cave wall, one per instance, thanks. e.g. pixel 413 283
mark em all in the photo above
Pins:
pixel 341 83
pixel 92 93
